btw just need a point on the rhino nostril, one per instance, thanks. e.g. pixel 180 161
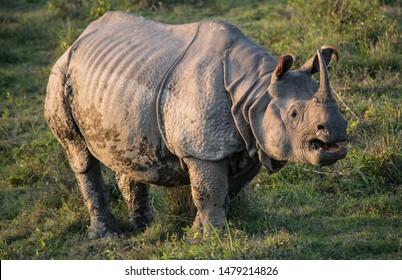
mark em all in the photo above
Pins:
pixel 320 127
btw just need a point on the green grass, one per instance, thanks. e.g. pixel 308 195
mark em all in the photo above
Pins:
pixel 351 210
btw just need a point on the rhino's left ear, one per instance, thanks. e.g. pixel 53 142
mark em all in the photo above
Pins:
pixel 284 64
pixel 312 66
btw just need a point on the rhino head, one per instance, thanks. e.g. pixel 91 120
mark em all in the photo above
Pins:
pixel 299 120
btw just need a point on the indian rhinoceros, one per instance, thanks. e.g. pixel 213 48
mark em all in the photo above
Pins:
pixel 197 104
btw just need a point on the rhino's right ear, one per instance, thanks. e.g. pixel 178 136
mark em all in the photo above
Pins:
pixel 284 64
pixel 312 65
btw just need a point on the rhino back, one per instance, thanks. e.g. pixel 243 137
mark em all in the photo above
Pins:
pixel 115 70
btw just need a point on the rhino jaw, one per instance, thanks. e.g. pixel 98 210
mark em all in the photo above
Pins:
pixel 324 153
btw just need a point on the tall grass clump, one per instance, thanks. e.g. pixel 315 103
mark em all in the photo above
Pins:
pixel 358 28
pixel 79 9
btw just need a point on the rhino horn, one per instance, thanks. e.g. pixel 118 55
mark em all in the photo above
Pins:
pixel 324 91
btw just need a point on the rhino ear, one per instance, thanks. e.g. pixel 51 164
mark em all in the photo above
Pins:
pixel 284 64
pixel 312 66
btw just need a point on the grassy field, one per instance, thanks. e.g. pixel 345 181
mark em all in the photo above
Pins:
pixel 351 210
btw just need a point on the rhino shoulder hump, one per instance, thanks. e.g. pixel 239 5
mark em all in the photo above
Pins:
pixel 224 30
pixel 118 16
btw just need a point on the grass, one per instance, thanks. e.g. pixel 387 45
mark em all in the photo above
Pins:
pixel 351 210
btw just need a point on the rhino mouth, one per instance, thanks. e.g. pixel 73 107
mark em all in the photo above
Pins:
pixel 317 144
pixel 327 152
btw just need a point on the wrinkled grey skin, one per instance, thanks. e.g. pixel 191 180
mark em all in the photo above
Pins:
pixel 197 103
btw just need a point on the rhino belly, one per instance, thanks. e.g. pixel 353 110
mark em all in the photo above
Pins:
pixel 127 140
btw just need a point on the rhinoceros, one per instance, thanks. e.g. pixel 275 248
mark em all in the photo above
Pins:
pixel 197 104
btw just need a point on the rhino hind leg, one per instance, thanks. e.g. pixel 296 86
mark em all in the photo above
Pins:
pixel 136 196
pixel 88 174
pixel 85 166
pixel 93 190
pixel 209 189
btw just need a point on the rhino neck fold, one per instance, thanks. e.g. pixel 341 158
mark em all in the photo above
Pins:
pixel 248 71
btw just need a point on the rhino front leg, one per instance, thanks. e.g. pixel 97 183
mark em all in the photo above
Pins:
pixel 136 196
pixel 209 189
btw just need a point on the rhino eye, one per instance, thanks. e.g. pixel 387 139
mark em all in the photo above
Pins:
pixel 293 113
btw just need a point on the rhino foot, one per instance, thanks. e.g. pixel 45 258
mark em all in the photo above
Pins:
pixel 142 219
pixel 103 233
pixel 206 228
